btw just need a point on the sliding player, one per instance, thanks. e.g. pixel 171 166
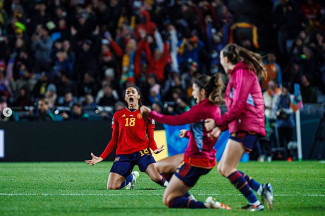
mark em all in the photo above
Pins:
pixel 199 157
pixel 129 135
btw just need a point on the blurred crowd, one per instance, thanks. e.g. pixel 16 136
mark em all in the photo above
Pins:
pixel 72 59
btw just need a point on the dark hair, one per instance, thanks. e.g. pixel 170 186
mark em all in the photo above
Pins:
pixel 139 92
pixel 237 54
pixel 213 87
pixel 44 100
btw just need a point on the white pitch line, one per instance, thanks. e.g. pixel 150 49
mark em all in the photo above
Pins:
pixel 148 194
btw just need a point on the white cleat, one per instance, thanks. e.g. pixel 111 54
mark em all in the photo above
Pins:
pixel 211 203
pixel 267 195
pixel 131 184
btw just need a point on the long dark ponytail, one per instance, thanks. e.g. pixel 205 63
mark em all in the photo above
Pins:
pixel 213 87
pixel 237 54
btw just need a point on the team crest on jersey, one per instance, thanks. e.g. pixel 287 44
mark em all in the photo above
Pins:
pixel 139 116
pixel 123 115
pixel 117 159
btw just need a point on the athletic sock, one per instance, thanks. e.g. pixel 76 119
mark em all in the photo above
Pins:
pixel 163 182
pixel 253 183
pixel 185 202
pixel 237 179
pixel 167 176
pixel 127 180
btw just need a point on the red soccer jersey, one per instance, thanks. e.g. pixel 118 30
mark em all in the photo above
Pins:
pixel 131 133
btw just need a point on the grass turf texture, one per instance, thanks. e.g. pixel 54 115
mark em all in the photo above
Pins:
pixel 74 188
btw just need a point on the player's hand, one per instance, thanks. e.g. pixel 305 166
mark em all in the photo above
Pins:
pixel 182 133
pixel 214 134
pixel 209 124
pixel 94 160
pixel 158 150
pixel 145 110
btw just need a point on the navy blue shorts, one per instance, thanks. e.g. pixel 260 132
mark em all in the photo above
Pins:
pixel 246 138
pixel 190 174
pixel 124 163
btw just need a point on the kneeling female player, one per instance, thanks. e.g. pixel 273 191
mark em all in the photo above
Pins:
pixel 199 157
pixel 130 136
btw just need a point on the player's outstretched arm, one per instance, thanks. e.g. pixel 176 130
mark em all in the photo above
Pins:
pixel 94 160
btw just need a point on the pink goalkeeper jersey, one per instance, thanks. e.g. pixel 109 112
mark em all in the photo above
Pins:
pixel 200 151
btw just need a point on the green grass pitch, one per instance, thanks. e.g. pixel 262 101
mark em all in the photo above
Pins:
pixel 74 188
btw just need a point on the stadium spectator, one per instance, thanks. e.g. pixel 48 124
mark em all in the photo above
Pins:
pixel 88 86
pixel 5 76
pixel 24 98
pixel 68 100
pixel 284 119
pixel 25 79
pixel 78 113
pixel 65 84
pixel 270 117
pixel 41 86
pixel 86 61
pixel 41 45
pixel 43 113
pixel 118 106
pixel 88 101
pixel 273 71
pixel 108 98
pixel 3 104
pixel 51 96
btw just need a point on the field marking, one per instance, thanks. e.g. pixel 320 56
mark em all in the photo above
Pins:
pixel 146 194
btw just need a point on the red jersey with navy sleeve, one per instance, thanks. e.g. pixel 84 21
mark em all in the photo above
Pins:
pixel 131 133
pixel 200 151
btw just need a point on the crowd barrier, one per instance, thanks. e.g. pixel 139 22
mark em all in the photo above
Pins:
pixel 75 140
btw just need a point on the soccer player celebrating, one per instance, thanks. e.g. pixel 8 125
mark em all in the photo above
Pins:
pixel 130 131
pixel 199 157
pixel 245 120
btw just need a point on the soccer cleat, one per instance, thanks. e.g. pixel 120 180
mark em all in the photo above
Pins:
pixel 211 203
pixel 134 179
pixel 267 195
pixel 250 207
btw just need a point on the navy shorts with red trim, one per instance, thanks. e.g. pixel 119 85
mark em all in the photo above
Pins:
pixel 124 163
pixel 189 174
pixel 246 138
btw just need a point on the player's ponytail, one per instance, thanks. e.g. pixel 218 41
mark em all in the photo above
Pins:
pixel 213 87
pixel 237 54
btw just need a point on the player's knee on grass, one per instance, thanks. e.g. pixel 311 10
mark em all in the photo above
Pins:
pixel 222 170
pixel 156 179
pixel 166 200
pixel 112 186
